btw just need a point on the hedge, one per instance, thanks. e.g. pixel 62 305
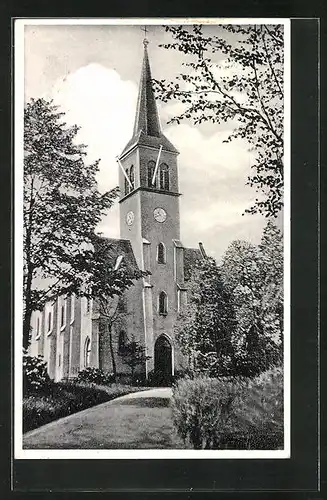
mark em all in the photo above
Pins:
pixel 230 413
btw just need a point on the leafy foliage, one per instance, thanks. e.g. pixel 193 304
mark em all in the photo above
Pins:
pixel 95 376
pixel 254 276
pixel 134 355
pixel 260 407
pixel 204 331
pixel 35 375
pixel 230 412
pixel 236 77
pixel 203 409
pixel 233 322
pixel 62 207
pixel 108 283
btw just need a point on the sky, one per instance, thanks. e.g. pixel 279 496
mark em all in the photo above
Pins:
pixel 92 73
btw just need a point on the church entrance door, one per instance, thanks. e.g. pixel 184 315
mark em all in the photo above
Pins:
pixel 163 361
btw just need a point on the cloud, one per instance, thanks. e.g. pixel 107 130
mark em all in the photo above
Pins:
pixel 102 104
pixel 212 174
pixel 95 98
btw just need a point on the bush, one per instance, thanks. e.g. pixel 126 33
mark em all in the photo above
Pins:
pixel 35 375
pixel 260 409
pixel 203 409
pixel 95 376
pixel 233 413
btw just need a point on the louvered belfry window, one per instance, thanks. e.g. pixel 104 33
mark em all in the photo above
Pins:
pixel 164 177
pixel 151 168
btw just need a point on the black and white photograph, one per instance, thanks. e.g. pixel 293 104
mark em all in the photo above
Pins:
pixel 152 229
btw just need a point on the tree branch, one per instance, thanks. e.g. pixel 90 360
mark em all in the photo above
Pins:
pixel 277 40
pixel 278 137
pixel 271 67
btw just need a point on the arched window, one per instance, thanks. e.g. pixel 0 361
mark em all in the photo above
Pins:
pixel 164 177
pixel 163 303
pixel 87 352
pixel 122 341
pixel 151 168
pixel 132 178
pixel 126 182
pixel 62 319
pixel 38 328
pixel 161 253
pixel 49 324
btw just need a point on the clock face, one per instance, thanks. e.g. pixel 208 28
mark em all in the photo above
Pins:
pixel 159 214
pixel 130 218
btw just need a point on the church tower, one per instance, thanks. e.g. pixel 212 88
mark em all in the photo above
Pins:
pixel 149 219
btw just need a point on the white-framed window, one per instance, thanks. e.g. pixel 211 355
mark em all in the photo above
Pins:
pixel 162 303
pixel 63 313
pixel 161 253
pixel 87 352
pixel 49 320
pixel 38 326
pixel 72 308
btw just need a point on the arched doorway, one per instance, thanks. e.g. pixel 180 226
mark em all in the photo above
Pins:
pixel 163 361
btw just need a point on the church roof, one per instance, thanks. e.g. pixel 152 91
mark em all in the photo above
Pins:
pixel 191 256
pixel 147 129
pixel 120 247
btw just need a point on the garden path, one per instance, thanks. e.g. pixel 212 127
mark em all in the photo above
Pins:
pixel 141 420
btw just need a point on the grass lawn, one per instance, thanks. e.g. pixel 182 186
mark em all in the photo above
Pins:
pixel 140 422
pixel 65 398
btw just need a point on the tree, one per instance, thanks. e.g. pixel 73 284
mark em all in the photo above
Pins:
pixel 254 276
pixel 107 283
pixel 134 355
pixel 236 77
pixel 205 328
pixel 62 207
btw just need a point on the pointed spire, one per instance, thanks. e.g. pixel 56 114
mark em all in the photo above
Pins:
pixel 147 130
pixel 146 118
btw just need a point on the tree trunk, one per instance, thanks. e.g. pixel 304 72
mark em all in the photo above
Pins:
pixel 28 310
pixel 28 289
pixel 27 327
pixel 112 353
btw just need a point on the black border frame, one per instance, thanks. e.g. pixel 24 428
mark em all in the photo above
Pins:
pixel 298 474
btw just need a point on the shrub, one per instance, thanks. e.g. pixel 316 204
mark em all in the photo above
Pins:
pixel 234 413
pixel 95 376
pixel 35 375
pixel 260 410
pixel 203 409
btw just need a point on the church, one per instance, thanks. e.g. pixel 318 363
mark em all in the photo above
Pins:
pixel 68 332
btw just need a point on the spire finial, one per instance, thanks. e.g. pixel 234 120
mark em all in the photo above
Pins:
pixel 145 40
